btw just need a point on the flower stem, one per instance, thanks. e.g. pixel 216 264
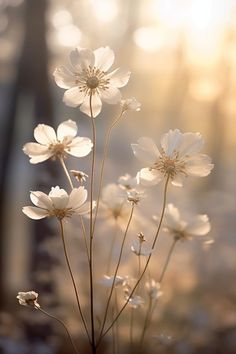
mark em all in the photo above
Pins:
pixel 146 322
pixel 66 171
pixel 109 263
pixel 167 260
pixel 72 277
pixel 105 152
pixel 147 262
pixel 91 228
pixel 63 324
pixel 114 279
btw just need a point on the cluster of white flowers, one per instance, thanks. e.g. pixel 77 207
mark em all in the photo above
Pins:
pixel 87 83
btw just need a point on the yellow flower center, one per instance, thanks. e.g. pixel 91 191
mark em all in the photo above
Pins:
pixel 61 213
pixel 92 82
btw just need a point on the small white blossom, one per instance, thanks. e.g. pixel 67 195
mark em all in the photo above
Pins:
pixel 180 229
pixel 79 175
pixel 88 76
pixel 135 301
pixel 107 281
pixel 178 157
pixel 130 104
pixel 51 144
pixel 153 289
pixel 28 298
pixel 128 182
pixel 58 203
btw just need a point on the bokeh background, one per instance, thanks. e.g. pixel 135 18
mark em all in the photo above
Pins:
pixel 182 54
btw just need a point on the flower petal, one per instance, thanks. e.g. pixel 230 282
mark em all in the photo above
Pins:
pixel 104 58
pixel 146 150
pixel 85 208
pixel 44 134
pixel 34 212
pixel 79 147
pixel 191 144
pixel 199 165
pixel 111 95
pixel 177 181
pixel 96 105
pixel 64 77
pixel 37 152
pixel 119 77
pixel 67 129
pixel 82 58
pixel 41 200
pixel 172 217
pixel 199 226
pixel 59 197
pixel 73 97
pixel 149 177
pixel 77 197
pixel 171 141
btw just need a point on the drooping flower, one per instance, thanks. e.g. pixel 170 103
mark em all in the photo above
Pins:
pixel 79 175
pixel 139 248
pixel 58 203
pixel 107 281
pixel 178 157
pixel 87 77
pixel 51 144
pixel 130 104
pixel 153 289
pixel 28 298
pixel 181 229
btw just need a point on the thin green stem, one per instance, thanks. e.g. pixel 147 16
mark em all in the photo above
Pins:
pixel 63 324
pixel 66 171
pixel 91 227
pixel 72 277
pixel 116 271
pixel 147 262
pixel 167 260
pixel 105 152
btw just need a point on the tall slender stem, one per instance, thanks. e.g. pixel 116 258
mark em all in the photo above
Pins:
pixel 116 271
pixel 63 324
pixel 111 249
pixel 167 260
pixel 72 277
pixel 105 152
pixel 147 262
pixel 66 172
pixel 146 322
pixel 91 227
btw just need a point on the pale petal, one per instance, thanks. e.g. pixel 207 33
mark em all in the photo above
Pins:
pixel 111 95
pixel 34 212
pixel 59 197
pixel 64 77
pixel 96 105
pixel 44 134
pixel 177 181
pixel 37 152
pixel 171 141
pixel 73 97
pixel 82 58
pixel 67 129
pixel 172 217
pixel 199 165
pixel 79 147
pixel 113 196
pixel 119 77
pixel 149 177
pixel 77 197
pixel 104 58
pixel 191 144
pixel 41 200
pixel 146 150
pixel 85 208
pixel 199 226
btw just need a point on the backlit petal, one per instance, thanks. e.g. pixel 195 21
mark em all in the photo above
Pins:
pixel 149 177
pixel 199 165
pixel 44 134
pixel 119 77
pixel 199 226
pixel 96 105
pixel 73 97
pixel 37 152
pixel 34 212
pixel 146 150
pixel 77 197
pixel 82 58
pixel 64 77
pixel 59 197
pixel 67 129
pixel 111 95
pixel 104 58
pixel 191 144
pixel 79 147
pixel 171 141
pixel 41 200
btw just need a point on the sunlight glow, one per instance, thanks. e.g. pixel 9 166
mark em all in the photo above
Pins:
pixel 105 10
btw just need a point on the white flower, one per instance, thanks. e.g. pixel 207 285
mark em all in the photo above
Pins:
pixel 135 191
pixel 153 289
pixel 79 175
pixel 58 203
pixel 140 249
pixel 181 229
pixel 28 298
pixel 178 157
pixel 130 104
pixel 51 144
pixel 135 301
pixel 108 281
pixel 88 76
